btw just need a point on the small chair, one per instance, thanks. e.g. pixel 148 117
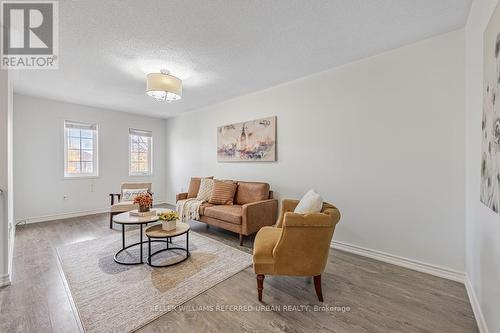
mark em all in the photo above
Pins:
pixel 120 206
pixel 298 245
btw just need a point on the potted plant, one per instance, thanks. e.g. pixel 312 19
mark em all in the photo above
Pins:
pixel 144 201
pixel 169 220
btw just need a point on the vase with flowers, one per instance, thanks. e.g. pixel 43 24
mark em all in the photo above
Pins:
pixel 144 201
pixel 169 220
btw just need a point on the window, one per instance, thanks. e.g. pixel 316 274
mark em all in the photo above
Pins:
pixel 140 152
pixel 80 149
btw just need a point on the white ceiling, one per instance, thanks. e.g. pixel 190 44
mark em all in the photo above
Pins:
pixel 220 48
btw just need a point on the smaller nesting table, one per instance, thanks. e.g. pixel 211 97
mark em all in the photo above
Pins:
pixel 155 232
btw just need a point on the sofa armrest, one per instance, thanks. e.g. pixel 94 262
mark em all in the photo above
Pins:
pixel 258 214
pixel 181 196
pixel 112 197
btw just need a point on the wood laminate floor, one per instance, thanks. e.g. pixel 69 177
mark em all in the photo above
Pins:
pixel 361 294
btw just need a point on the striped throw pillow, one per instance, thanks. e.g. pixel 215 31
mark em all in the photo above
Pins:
pixel 223 193
pixel 205 191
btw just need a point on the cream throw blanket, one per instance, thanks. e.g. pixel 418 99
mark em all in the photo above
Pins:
pixel 188 209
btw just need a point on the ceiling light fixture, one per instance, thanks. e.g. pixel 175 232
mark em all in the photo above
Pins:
pixel 163 86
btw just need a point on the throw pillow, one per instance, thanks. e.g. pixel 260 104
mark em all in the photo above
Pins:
pixel 205 191
pixel 223 192
pixel 194 186
pixel 130 194
pixel 311 202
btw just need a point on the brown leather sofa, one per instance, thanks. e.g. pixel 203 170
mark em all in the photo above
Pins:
pixel 253 208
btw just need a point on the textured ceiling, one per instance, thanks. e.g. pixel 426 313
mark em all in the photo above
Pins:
pixel 220 48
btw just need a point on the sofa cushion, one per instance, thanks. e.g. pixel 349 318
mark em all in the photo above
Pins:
pixel 203 206
pixel 223 192
pixel 194 186
pixel 206 188
pixel 123 206
pixel 230 214
pixel 249 192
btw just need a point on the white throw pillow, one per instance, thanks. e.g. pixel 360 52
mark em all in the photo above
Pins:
pixel 311 202
pixel 131 194
pixel 206 188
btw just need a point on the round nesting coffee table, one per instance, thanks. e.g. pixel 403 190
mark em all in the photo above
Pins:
pixel 156 232
pixel 127 219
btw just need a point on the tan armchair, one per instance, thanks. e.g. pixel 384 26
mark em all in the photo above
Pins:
pixel 120 206
pixel 298 245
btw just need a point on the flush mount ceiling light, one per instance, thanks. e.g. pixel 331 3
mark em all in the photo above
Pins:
pixel 163 86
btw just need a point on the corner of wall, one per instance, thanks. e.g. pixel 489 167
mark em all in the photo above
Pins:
pixel 476 307
pixel 482 226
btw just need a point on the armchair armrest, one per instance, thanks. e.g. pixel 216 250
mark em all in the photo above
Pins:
pixel 258 214
pixel 287 205
pixel 181 196
pixel 112 197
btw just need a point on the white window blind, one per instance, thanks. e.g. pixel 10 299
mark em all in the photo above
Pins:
pixel 140 152
pixel 80 149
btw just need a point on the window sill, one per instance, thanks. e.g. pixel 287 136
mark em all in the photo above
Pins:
pixel 80 177
pixel 140 174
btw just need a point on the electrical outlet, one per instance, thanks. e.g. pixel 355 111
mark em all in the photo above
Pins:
pixel 92 187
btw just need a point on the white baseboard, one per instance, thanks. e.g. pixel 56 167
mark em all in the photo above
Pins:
pixel 4 280
pixel 46 218
pixel 481 322
pixel 416 265
pixel 425 268
pixel 12 239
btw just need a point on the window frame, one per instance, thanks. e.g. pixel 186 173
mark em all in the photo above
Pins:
pixel 149 135
pixel 95 150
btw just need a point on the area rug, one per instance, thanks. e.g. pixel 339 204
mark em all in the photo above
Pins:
pixel 111 297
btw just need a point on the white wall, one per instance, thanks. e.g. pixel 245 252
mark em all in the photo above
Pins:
pixel 483 225
pixel 382 138
pixel 39 166
pixel 6 179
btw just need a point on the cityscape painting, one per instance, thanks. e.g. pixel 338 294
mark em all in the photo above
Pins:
pixel 253 140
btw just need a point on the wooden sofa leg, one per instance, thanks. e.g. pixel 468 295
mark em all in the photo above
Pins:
pixel 317 286
pixel 260 285
pixel 241 239
pixel 110 220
